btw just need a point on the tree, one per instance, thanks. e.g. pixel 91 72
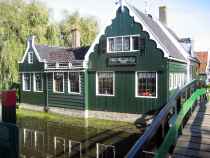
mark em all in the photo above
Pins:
pixel 19 20
pixel 87 26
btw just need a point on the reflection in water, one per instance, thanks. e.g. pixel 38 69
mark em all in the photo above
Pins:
pixel 44 139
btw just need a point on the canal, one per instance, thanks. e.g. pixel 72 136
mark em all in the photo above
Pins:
pixel 41 137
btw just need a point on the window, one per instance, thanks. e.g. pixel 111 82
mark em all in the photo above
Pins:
pixel 126 43
pixel 118 44
pixel 123 43
pixel 58 82
pixel 135 43
pixel 146 84
pixel 74 82
pixel 30 57
pixel 38 82
pixel 176 80
pixel 105 83
pixel 26 82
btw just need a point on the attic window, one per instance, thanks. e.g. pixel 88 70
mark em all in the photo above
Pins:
pixel 30 57
pixel 123 43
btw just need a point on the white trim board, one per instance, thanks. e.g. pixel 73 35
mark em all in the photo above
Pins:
pixel 113 84
pixel 136 85
pixel 69 85
pixel 34 48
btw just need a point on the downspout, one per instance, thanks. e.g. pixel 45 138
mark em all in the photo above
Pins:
pixel 86 97
pixel 86 92
pixel 46 108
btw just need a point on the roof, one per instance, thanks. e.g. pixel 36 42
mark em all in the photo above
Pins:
pixel 162 34
pixel 61 54
pixel 202 56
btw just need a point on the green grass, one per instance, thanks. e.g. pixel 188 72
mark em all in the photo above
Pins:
pixel 92 122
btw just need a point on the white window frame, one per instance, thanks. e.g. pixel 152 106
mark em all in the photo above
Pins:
pixel 97 90
pixel 30 57
pixel 171 81
pixel 136 85
pixel 34 82
pixel 23 82
pixel 69 88
pixel 131 43
pixel 54 91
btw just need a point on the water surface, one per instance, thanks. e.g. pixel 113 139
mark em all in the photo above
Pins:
pixel 41 138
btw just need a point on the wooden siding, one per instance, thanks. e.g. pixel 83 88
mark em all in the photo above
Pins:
pixel 35 66
pixel 65 99
pixel 175 67
pixel 31 97
pixel 124 99
pixel 150 59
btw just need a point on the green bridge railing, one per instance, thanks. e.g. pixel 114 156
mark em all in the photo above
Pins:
pixel 159 138
pixel 172 133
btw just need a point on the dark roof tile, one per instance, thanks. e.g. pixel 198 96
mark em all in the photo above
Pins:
pixel 60 54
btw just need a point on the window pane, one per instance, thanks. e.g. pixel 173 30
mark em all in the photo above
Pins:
pixel 27 81
pixel 30 57
pixel 146 84
pixel 74 82
pixel 118 44
pixel 58 82
pixel 105 83
pixel 38 82
pixel 126 43
pixel 111 44
pixel 135 41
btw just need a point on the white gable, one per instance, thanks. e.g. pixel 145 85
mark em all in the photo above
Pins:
pixel 33 47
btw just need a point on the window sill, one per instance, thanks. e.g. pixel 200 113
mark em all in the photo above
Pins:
pixel 26 90
pixel 130 51
pixel 105 95
pixel 58 92
pixel 149 97
pixel 39 91
pixel 74 93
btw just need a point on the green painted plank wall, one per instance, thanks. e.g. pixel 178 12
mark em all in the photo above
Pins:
pixel 149 58
pixel 65 99
pixel 35 66
pixel 124 99
pixel 31 97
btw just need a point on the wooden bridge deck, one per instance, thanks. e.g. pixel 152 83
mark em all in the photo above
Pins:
pixel 195 138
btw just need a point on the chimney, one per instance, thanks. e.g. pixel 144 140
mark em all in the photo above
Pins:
pixel 163 15
pixel 75 38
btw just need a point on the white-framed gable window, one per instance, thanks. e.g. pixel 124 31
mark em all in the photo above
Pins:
pixel 26 81
pixel 74 82
pixel 30 57
pixel 146 84
pixel 58 82
pixel 38 82
pixel 105 84
pixel 127 43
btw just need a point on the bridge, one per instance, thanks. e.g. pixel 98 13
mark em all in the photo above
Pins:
pixel 195 138
pixel 181 129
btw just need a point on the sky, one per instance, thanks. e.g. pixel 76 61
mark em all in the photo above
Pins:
pixel 188 18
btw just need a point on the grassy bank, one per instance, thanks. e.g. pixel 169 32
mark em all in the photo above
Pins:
pixel 92 122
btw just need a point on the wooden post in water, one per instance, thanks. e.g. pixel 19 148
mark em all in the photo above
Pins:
pixel 9 106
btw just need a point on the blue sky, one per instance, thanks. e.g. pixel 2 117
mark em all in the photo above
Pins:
pixel 188 18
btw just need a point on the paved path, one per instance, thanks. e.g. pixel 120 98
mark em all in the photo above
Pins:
pixel 195 139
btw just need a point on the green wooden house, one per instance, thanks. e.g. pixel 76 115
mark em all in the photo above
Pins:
pixel 134 65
